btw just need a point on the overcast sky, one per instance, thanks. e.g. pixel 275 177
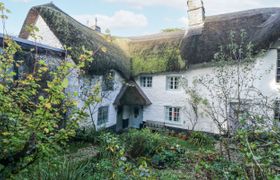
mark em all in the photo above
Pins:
pixel 130 17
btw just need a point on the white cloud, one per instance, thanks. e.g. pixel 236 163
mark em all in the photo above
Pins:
pixel 212 6
pixel 119 20
pixel 183 20
pixel 144 3
pixel 22 1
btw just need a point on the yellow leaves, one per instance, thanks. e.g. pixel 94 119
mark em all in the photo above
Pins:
pixel 46 130
pixel 104 49
pixel 48 105
pixel 5 133
pixel 30 77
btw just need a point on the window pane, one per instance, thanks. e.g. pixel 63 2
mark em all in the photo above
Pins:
pixel 102 115
pixel 146 81
pixel 277 110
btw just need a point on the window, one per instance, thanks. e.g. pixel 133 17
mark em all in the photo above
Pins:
pixel 102 115
pixel 278 67
pixel 108 81
pixel 237 112
pixel 277 110
pixel 146 81
pixel 173 82
pixel 172 114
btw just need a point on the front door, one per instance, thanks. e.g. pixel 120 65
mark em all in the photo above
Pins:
pixel 136 116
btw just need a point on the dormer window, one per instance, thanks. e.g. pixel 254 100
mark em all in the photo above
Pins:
pixel 146 81
pixel 278 67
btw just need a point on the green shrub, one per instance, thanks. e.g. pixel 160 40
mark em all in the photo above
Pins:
pixel 144 143
pixel 57 168
pixel 87 135
pixel 201 139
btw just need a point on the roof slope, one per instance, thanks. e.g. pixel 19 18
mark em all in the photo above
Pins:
pixel 261 25
pixel 73 34
pixel 156 53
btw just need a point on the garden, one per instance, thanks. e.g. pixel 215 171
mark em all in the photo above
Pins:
pixel 139 154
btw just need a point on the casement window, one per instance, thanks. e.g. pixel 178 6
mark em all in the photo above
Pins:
pixel 108 81
pixel 278 67
pixel 172 82
pixel 172 114
pixel 103 113
pixel 277 110
pixel 146 81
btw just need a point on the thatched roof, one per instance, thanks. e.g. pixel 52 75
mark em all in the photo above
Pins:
pixel 155 53
pixel 73 34
pixel 261 25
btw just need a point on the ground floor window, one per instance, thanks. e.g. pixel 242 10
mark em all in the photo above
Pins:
pixel 172 114
pixel 102 115
pixel 277 110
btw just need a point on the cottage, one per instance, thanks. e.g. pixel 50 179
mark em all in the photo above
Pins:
pixel 146 71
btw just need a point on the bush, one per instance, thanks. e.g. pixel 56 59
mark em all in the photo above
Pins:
pixel 87 135
pixel 57 168
pixel 144 143
pixel 201 139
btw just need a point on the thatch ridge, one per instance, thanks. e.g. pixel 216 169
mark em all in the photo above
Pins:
pixel 261 25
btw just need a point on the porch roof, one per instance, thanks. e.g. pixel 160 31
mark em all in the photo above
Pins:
pixel 131 94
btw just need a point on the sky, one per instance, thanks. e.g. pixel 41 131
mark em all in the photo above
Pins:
pixel 129 17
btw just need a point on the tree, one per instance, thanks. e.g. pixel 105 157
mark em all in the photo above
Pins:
pixel 34 106
pixel 229 91
pixel 228 95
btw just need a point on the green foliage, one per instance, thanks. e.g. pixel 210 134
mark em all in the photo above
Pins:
pixel 201 139
pixel 61 168
pixel 87 135
pixel 144 143
pixel 171 29
pixel 38 115
pixel 162 60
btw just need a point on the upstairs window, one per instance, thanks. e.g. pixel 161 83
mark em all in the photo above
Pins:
pixel 277 110
pixel 102 115
pixel 172 114
pixel 146 81
pixel 278 67
pixel 108 81
pixel 172 82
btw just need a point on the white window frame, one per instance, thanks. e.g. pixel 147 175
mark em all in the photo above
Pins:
pixel 171 83
pixel 278 67
pixel 174 118
pixel 103 115
pixel 146 81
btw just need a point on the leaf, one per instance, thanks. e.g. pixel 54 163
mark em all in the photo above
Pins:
pixel 48 105
pixel 46 130
pixel 65 83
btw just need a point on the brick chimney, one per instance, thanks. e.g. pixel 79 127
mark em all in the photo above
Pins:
pixel 196 12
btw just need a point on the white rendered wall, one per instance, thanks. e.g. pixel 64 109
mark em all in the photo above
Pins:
pixel 160 97
pixel 77 84
pixel 45 35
